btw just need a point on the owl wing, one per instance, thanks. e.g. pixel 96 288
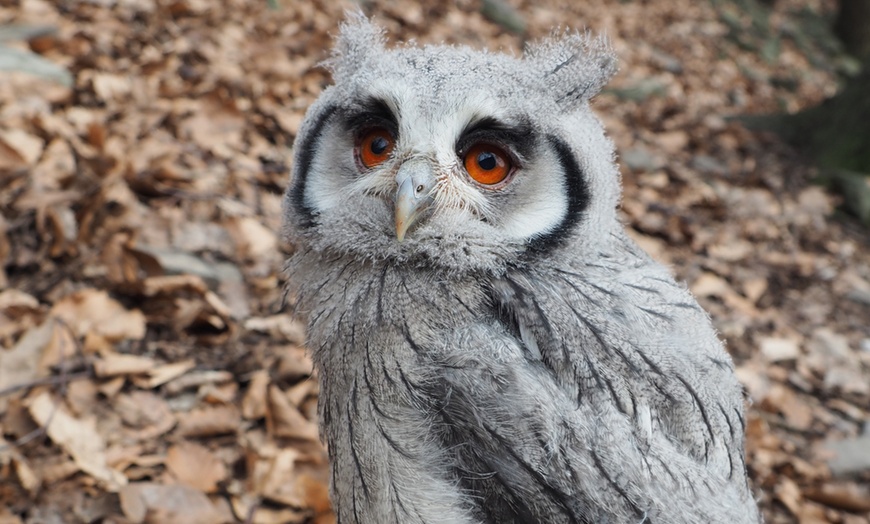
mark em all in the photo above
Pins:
pixel 570 414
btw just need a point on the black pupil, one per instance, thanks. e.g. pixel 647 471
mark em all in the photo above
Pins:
pixel 487 161
pixel 379 145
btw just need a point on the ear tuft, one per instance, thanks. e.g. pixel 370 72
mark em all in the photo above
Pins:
pixel 572 66
pixel 358 40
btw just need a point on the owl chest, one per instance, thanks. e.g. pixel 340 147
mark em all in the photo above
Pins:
pixel 377 329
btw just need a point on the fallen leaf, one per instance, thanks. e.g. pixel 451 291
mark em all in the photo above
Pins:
pixel 209 421
pixel 164 373
pixel 168 504
pixel 253 239
pixel 19 149
pixel 245 509
pixel 788 492
pixel 282 327
pixel 195 379
pixel 77 437
pixel 115 364
pixel 93 310
pixel 254 401
pixel 196 466
pixel 283 419
pixel 147 414
pixel 842 495
pixel 20 364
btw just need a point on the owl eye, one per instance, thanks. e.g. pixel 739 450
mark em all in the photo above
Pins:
pixel 487 164
pixel 374 146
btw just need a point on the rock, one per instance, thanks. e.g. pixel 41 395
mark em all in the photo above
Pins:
pixel 666 61
pixel 708 165
pixel 860 296
pixel 641 159
pixel 850 456
pixel 829 353
pixel 504 15
pixel 779 349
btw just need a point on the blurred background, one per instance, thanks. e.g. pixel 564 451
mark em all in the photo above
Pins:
pixel 148 369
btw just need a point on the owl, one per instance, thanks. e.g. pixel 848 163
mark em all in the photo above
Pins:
pixel 491 346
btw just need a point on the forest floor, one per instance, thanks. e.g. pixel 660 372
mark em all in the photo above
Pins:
pixel 148 370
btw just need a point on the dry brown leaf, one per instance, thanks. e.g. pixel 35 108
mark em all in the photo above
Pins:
pixel 57 165
pixel 77 437
pixel 732 250
pixel 90 310
pixel 170 284
pixel 26 476
pixel 81 397
pixel 147 414
pixel 19 149
pixel 797 412
pixel 754 288
pixel 673 141
pixel 253 239
pixel 109 87
pixel 283 419
pixel 168 504
pixel 315 493
pixel 788 492
pixel 195 379
pixel 164 373
pixel 20 364
pixel 281 327
pixel 849 496
pixel 12 300
pixel 216 128
pixel 196 466
pixel 272 471
pixel 297 393
pixel 209 421
pixel 9 518
pixel 122 457
pixel 219 393
pixel 242 508
pixel 110 388
pixel 115 364
pixel 709 284
pixel 254 401
pixel 294 364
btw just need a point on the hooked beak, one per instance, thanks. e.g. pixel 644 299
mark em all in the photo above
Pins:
pixel 413 197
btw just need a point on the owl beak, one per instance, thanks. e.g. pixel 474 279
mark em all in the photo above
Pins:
pixel 413 196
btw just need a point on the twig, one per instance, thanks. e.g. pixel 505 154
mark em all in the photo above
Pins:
pixel 62 380
pixel 56 379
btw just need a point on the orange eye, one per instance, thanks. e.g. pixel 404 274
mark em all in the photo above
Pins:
pixel 374 147
pixel 487 164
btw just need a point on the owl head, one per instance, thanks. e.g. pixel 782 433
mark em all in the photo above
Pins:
pixel 454 158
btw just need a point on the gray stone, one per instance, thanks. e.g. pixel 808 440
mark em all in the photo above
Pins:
pixel 641 159
pixel 851 456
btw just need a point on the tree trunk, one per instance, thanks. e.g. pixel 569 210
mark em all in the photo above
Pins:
pixel 836 134
pixel 853 26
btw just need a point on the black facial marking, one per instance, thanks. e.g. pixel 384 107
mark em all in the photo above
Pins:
pixel 373 112
pixel 578 199
pixel 307 147
pixel 515 137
